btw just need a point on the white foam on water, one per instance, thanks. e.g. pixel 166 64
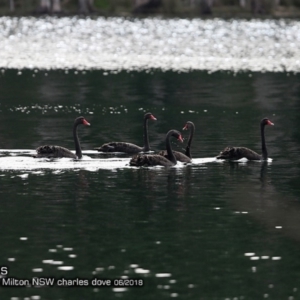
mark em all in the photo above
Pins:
pixel 22 160
pixel 244 160
pixel 204 160
pixel 28 163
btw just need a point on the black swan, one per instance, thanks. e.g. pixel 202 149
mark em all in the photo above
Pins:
pixel 50 151
pixel 129 148
pixel 235 153
pixel 140 160
pixel 187 158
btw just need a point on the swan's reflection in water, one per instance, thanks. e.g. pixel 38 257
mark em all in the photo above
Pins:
pixel 264 176
pixel 259 197
pixel 166 188
pixel 178 186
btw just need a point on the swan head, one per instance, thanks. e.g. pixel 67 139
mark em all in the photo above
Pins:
pixel 82 120
pixel 176 134
pixel 188 125
pixel 266 121
pixel 149 116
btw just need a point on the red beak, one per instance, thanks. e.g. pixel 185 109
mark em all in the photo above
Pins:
pixel 153 118
pixel 180 138
pixel 185 127
pixel 85 122
pixel 270 123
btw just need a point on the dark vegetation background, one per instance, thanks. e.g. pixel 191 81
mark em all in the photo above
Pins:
pixel 165 8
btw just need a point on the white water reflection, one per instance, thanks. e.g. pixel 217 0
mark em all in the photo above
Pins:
pixel 27 163
pixel 21 159
pixel 137 44
pixel 18 159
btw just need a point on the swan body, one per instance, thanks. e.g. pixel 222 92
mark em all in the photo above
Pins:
pixel 140 160
pixel 236 153
pixel 51 151
pixel 187 158
pixel 129 148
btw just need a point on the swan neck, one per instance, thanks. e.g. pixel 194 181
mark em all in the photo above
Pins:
pixel 263 142
pixel 171 156
pixel 188 147
pixel 76 141
pixel 146 138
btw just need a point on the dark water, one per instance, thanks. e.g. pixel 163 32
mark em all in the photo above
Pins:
pixel 210 230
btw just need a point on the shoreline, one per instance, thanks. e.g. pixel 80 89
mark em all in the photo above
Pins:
pixel 219 9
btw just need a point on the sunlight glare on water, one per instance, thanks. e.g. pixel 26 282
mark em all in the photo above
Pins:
pixel 139 44
pixel 28 163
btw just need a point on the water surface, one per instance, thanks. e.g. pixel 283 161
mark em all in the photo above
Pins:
pixel 208 230
pixel 116 44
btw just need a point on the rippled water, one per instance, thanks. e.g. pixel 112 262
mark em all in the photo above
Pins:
pixel 116 44
pixel 206 230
